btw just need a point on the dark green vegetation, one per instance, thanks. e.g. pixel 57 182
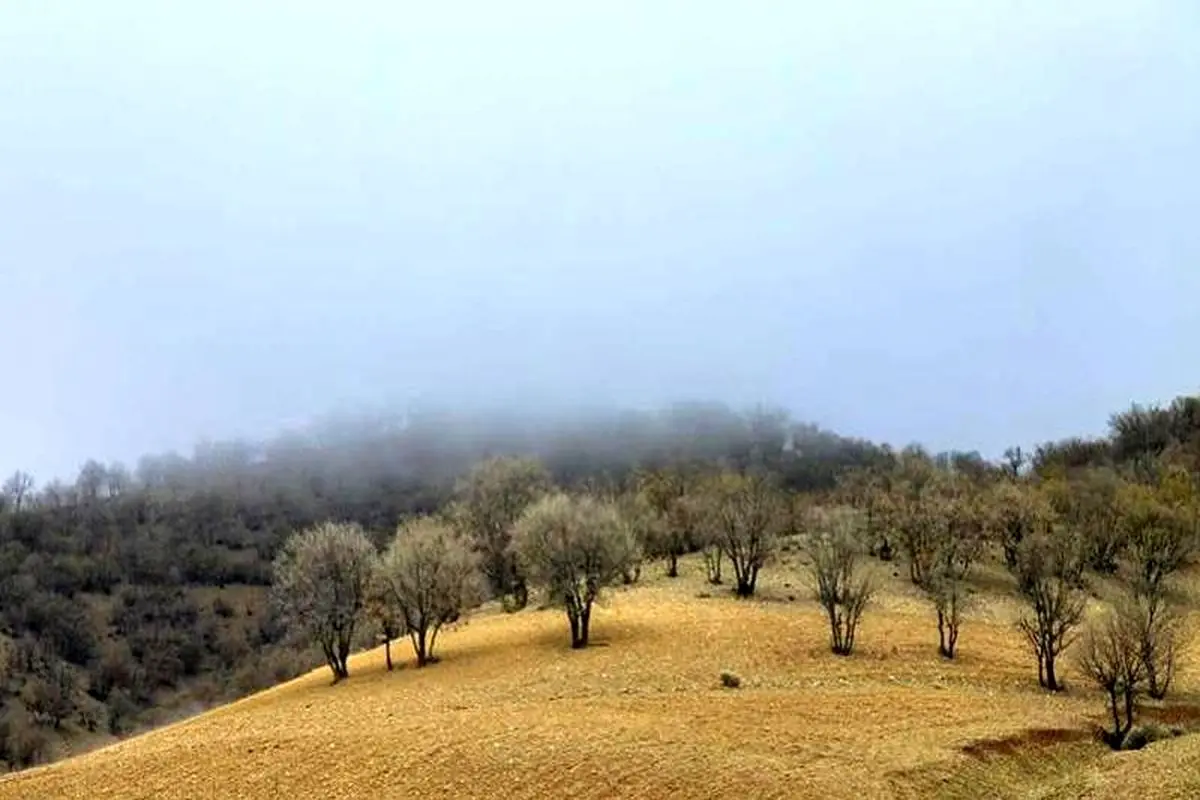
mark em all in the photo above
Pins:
pixel 128 598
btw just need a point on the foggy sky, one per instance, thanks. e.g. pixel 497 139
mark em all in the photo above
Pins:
pixel 969 224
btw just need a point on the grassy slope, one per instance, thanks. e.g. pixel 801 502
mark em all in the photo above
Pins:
pixel 512 711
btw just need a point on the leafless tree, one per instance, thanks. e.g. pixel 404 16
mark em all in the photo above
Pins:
pixel 382 610
pixel 840 585
pixel 1162 536
pixel 488 503
pixel 1019 511
pixel 432 578
pixel 1110 655
pixel 573 547
pixel 665 493
pixel 18 489
pixel 1049 568
pixel 1088 503
pixel 960 524
pixel 868 489
pixel 322 577
pixel 747 515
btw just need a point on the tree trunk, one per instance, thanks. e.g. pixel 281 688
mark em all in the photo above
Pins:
pixel 712 564
pixel 337 655
pixel 418 639
pixel 1051 679
pixel 585 619
pixel 885 550
pixel 942 649
pixel 746 578
pixel 520 594
pixel 573 618
pixel 672 565
pixel 387 652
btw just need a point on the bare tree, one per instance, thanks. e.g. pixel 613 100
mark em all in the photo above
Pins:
pixel 489 501
pixel 1020 511
pixel 1110 655
pixel 1015 460
pixel 645 526
pixel 91 480
pixel 913 510
pixel 432 578
pixel 961 524
pixel 382 610
pixel 1162 535
pixel 18 489
pixel 840 585
pixel 322 577
pixel 665 492
pixel 1049 568
pixel 573 547
pixel 1088 503
pixel 748 514
pixel 868 489
pixel 1159 632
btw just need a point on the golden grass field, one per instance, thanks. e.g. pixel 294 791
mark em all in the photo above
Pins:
pixel 512 712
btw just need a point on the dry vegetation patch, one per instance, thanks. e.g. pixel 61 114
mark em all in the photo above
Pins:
pixel 511 710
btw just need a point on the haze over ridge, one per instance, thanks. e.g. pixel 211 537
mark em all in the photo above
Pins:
pixel 930 221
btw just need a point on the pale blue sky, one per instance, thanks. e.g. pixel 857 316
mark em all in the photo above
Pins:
pixel 970 224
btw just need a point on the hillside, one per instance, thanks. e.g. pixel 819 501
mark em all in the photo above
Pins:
pixel 512 711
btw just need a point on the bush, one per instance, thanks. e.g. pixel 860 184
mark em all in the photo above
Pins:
pixel 222 608
pixel 24 742
pixel 1142 735
pixel 51 694
pixel 730 680
pixel 122 712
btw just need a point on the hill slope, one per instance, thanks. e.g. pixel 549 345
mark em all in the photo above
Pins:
pixel 512 711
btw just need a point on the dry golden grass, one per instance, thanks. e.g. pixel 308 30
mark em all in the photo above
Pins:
pixel 512 712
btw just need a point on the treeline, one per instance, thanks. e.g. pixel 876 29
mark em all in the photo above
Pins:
pixel 1130 514
pixel 128 591
pixel 508 528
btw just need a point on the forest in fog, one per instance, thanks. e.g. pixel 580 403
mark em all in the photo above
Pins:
pixel 129 597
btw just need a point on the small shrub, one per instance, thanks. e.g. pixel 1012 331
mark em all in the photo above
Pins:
pixel 1142 735
pixel 122 712
pixel 24 742
pixel 222 608
pixel 730 680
